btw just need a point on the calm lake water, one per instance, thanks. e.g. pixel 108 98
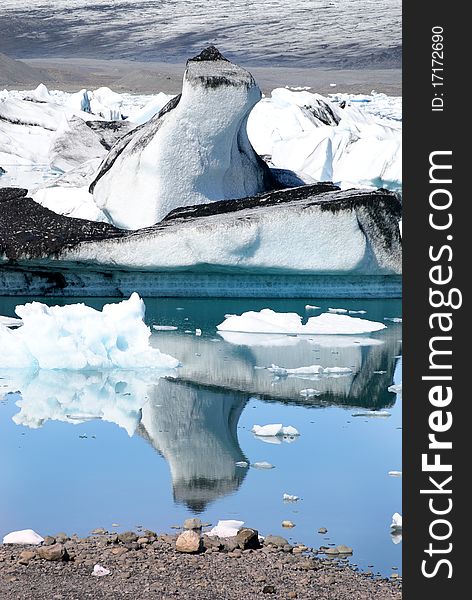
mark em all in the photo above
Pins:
pixel 80 451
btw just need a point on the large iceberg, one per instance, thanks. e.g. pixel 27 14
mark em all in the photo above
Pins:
pixel 195 150
pixel 78 337
pixel 322 139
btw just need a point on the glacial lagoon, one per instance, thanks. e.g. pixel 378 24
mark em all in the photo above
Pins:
pixel 120 449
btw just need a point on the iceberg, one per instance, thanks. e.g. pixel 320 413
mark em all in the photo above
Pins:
pixel 78 337
pixel 25 536
pixel 327 139
pixel 194 151
pixel 269 321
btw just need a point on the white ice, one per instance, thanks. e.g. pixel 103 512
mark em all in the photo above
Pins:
pixel 269 321
pixel 396 523
pixel 309 372
pixel 274 429
pixel 99 571
pixel 362 150
pixel 290 498
pixel 78 337
pixel 226 528
pixel 373 413
pixel 25 536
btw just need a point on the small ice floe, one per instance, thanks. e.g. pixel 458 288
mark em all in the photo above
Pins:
pixel 332 84
pixel 198 332
pixel 379 372
pixel 309 393
pixel 274 430
pixel 372 413
pixel 25 536
pixel 395 473
pixel 357 312
pixel 226 528
pixel 290 498
pixel 393 319
pixel 312 307
pixel 337 310
pixel 242 463
pixel 396 524
pixel 262 465
pixel 99 571
pixel 164 327
pixel 10 322
pixel 396 388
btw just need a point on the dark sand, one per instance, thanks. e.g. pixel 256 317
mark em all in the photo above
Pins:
pixel 72 74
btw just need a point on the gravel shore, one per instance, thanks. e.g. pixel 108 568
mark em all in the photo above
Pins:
pixel 148 566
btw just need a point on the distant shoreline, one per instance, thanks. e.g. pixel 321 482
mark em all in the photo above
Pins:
pixel 71 74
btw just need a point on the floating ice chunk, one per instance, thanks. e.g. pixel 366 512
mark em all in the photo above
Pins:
pixel 309 393
pixel 290 431
pixel 372 413
pixel 393 319
pixel 79 337
pixel 99 571
pixel 198 332
pixel 311 307
pixel 226 528
pixel 25 536
pixel 274 429
pixel 395 473
pixel 268 430
pixel 312 370
pixel 269 321
pixel 396 388
pixel 357 312
pixel 337 310
pixel 10 322
pixel 262 465
pixel 290 498
pixel 164 327
pixel 242 463
pixel 396 523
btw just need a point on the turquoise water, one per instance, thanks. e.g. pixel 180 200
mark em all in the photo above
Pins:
pixel 84 451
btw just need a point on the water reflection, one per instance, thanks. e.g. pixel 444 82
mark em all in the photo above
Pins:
pixel 236 362
pixel 192 420
pixel 195 430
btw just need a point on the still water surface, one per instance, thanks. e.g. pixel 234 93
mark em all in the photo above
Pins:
pixel 80 451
